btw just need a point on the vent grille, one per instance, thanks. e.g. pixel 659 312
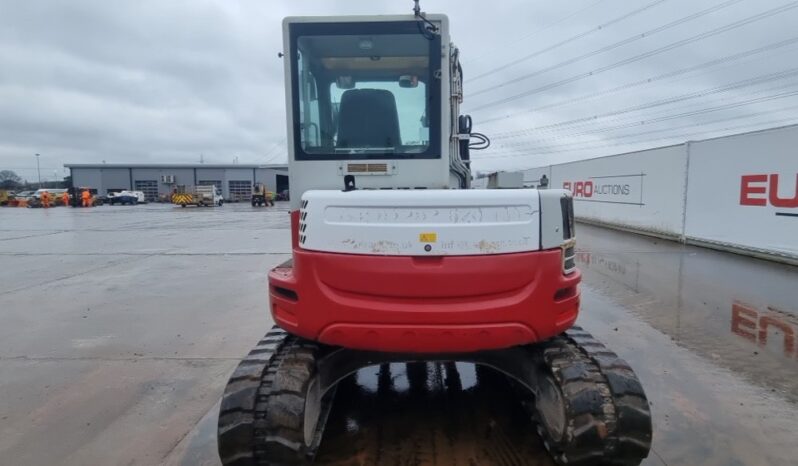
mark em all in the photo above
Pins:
pixel 377 167
pixel 357 168
pixel 303 226
pixel 567 206
pixel 569 258
pixel 370 168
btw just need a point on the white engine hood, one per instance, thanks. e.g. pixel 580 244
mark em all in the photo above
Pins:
pixel 420 222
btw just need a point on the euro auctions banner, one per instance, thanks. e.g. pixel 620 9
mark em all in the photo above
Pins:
pixel 609 189
pixel 743 191
pixel 639 190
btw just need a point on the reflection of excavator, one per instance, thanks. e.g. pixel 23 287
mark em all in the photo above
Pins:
pixel 261 196
pixel 393 261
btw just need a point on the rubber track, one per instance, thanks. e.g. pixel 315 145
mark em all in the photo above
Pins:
pixel 280 407
pixel 609 420
pixel 260 415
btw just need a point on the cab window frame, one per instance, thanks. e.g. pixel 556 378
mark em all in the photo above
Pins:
pixel 433 87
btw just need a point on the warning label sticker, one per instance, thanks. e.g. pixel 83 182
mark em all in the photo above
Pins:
pixel 427 237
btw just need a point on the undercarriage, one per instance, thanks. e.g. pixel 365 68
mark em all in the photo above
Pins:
pixel 587 403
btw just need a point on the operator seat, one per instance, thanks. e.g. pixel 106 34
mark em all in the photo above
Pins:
pixel 368 118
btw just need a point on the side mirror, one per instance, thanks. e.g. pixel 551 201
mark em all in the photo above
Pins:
pixel 345 82
pixel 408 81
pixel 464 126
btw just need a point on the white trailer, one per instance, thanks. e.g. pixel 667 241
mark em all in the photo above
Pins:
pixel 506 180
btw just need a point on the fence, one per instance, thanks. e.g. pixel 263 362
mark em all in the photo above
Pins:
pixel 737 193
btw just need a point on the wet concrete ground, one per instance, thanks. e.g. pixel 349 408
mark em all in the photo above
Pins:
pixel 122 324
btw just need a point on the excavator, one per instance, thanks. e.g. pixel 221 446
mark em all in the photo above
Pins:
pixel 395 259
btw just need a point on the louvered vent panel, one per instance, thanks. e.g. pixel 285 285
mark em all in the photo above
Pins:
pixel 303 214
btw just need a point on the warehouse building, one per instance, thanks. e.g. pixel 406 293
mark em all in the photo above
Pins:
pixel 157 181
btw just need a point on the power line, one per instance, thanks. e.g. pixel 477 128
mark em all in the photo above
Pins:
pixel 658 103
pixel 533 33
pixel 649 54
pixel 672 116
pixel 568 40
pixel 682 112
pixel 276 145
pixel 526 143
pixel 709 110
pixel 649 80
pixel 649 142
pixel 633 121
pixel 610 47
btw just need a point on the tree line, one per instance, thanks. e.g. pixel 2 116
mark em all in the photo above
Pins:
pixel 11 181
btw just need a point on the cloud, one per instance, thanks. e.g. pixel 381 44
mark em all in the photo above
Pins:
pixel 153 81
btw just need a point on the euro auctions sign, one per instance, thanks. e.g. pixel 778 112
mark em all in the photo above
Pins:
pixel 610 189
pixel 765 190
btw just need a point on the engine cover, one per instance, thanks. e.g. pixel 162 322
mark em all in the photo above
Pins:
pixel 426 222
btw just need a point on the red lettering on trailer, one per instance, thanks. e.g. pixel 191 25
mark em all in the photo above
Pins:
pixel 746 190
pixel 774 198
pixel 761 190
pixel 579 188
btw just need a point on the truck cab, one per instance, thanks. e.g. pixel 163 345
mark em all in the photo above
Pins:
pixel 210 196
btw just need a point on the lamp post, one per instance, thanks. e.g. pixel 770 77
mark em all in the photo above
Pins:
pixel 38 171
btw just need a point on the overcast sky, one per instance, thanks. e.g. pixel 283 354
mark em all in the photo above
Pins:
pixel 169 81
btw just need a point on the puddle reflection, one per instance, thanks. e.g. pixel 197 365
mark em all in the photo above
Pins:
pixel 429 414
pixel 741 313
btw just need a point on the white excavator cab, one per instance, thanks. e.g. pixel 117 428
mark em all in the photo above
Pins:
pixel 373 97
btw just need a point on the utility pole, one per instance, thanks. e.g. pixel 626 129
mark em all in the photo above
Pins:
pixel 38 171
